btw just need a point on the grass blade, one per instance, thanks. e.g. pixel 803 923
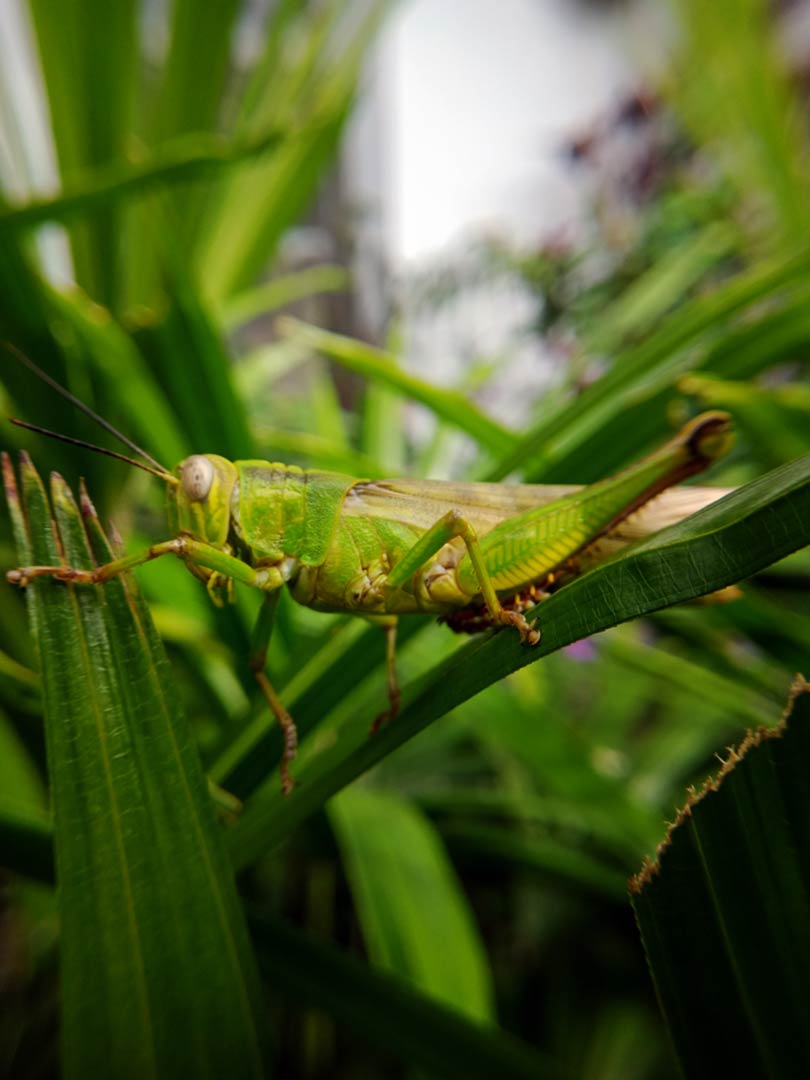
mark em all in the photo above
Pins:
pixel 156 974
pixel 281 291
pixel 196 71
pixel 206 404
pixel 186 158
pixel 546 452
pixel 375 364
pixel 415 918
pixel 728 897
pixel 308 73
pixel 91 81
pixel 755 121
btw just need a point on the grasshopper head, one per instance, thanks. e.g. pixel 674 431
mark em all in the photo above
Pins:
pixel 200 504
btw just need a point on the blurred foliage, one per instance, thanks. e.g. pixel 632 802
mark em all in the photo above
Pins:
pixel 480 867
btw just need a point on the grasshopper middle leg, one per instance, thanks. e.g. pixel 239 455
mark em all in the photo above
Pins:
pixel 262 633
pixel 447 528
pixel 388 624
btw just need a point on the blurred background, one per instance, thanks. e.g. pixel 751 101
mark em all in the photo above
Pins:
pixel 283 230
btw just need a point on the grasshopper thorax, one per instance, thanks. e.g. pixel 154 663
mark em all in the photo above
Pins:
pixel 200 504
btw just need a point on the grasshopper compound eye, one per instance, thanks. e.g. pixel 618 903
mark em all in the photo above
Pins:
pixel 197 477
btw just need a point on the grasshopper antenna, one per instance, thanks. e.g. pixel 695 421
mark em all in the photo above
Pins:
pixel 160 472
pixel 23 359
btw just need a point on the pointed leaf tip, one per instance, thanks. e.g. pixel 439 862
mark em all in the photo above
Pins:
pixel 86 503
pixel 61 493
pixel 116 539
pixel 9 480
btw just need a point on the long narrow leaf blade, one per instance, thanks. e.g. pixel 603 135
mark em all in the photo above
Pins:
pixel 415 917
pixel 723 912
pixel 185 159
pixel 545 453
pixel 157 977
pixel 375 364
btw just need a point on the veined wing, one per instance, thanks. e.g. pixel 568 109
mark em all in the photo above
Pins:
pixel 421 503
pixel 668 508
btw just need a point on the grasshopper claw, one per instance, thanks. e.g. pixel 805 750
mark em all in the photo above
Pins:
pixel 385 717
pixel 528 634
pixel 287 780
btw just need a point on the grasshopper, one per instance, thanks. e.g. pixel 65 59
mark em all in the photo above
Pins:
pixel 477 555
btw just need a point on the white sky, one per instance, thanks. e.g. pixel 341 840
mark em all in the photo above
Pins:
pixel 478 96
pixel 461 132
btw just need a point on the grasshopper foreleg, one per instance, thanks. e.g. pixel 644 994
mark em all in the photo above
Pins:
pixel 224 567
pixel 190 551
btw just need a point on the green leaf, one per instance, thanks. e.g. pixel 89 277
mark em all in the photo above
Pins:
pixel 281 291
pixel 766 338
pixel 638 373
pixel 415 918
pixel 19 686
pixel 643 303
pixel 196 70
pixel 157 977
pixel 723 911
pixel 25 826
pixel 115 356
pixel 186 158
pixel 308 76
pixel 317 688
pixel 737 95
pixel 204 397
pixel 26 841
pixel 722 544
pixel 451 405
pixel 91 81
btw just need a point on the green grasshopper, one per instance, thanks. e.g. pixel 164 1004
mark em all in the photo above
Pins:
pixel 478 555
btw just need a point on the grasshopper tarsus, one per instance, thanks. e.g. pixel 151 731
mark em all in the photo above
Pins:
pixel 528 634
pixel 289 731
pixel 387 715
pixel 26 574
pixel 288 782
pixel 477 618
